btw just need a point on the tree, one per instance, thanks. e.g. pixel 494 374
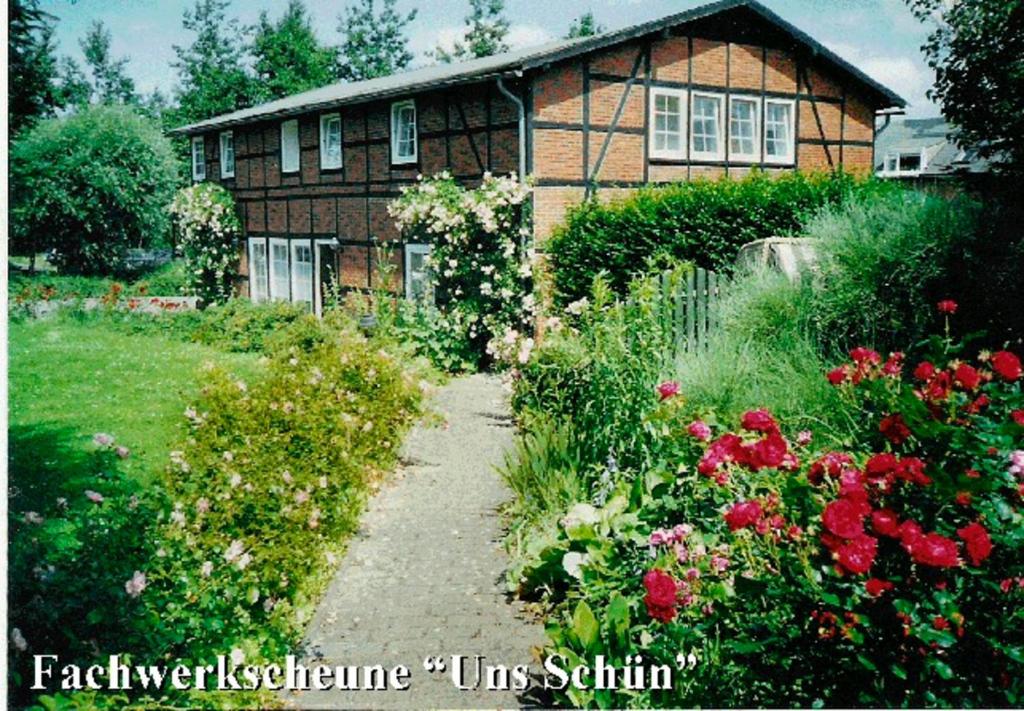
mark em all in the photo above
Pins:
pixel 212 75
pixel 31 64
pixel 71 87
pixel 977 52
pixel 486 29
pixel 288 56
pixel 373 45
pixel 584 26
pixel 110 83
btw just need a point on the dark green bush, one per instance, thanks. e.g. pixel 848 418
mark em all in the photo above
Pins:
pixel 704 222
pixel 90 186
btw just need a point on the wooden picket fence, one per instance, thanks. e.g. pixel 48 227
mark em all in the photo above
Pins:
pixel 686 306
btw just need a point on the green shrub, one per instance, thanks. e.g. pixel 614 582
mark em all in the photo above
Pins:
pixel 167 280
pixel 703 222
pixel 90 186
pixel 240 325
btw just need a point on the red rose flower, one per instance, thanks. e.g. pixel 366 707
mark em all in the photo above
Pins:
pixel 979 544
pixel 910 532
pixel 934 550
pixel 1018 417
pixel 759 421
pixel 893 364
pixel 742 515
pixel 880 467
pixel 862 355
pixel 885 523
pixel 837 376
pixel 912 469
pixel 967 376
pixel 963 498
pixel 832 464
pixel 894 429
pixel 924 371
pixel 727 448
pixel 769 452
pixel 947 306
pixel 875 587
pixel 1006 365
pixel 660 599
pixel 858 555
pixel 667 389
pixel 938 388
pixel 843 518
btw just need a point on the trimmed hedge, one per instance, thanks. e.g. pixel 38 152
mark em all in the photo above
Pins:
pixel 704 222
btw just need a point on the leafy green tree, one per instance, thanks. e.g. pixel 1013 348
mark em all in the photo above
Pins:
pixel 211 71
pixel 977 52
pixel 31 64
pixel 288 56
pixel 486 30
pixel 90 186
pixel 110 82
pixel 373 44
pixel 584 26
pixel 72 86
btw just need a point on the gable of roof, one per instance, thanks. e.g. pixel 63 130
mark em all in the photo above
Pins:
pixel 521 61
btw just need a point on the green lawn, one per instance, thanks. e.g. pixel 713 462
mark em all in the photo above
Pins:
pixel 70 380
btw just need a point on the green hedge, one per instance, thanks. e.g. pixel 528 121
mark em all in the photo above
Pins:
pixel 704 222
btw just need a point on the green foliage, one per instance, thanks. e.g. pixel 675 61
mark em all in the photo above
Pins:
pixel 31 65
pixel 110 83
pixel 210 231
pixel 585 26
pixel 373 44
pixel 288 56
pixel 486 30
pixel 704 222
pixel 168 280
pixel 90 186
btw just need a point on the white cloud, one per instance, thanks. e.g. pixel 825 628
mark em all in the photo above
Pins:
pixel 909 78
pixel 519 36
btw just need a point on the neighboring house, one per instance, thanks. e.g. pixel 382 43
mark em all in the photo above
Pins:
pixel 923 150
pixel 712 91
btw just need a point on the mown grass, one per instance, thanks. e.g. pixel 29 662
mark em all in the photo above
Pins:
pixel 69 380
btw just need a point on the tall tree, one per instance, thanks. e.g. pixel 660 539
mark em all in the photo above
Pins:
pixel 211 71
pixel 288 56
pixel 977 52
pixel 110 82
pixel 71 86
pixel 486 30
pixel 373 45
pixel 584 26
pixel 31 64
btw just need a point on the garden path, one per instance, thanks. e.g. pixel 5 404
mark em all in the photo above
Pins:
pixel 424 575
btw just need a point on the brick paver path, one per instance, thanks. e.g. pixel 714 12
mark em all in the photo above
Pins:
pixel 424 576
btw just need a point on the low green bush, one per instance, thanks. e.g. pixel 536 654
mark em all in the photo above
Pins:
pixel 167 280
pixel 701 221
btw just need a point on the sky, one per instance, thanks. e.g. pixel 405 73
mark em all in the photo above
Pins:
pixel 881 37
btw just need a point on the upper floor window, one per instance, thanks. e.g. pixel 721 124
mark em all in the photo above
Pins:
pixel 778 131
pixel 668 118
pixel 743 129
pixel 227 154
pixel 403 132
pixel 330 141
pixel 706 127
pixel 290 146
pixel 198 158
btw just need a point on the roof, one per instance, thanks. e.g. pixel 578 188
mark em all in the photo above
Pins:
pixel 936 138
pixel 520 61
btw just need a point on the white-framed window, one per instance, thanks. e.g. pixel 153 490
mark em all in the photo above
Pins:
pixel 403 132
pixel 290 146
pixel 417 273
pixel 227 154
pixel 706 127
pixel 258 273
pixel 668 123
pixel 892 163
pixel 904 163
pixel 330 141
pixel 198 158
pixel 279 278
pixel 779 139
pixel 744 129
pixel 302 273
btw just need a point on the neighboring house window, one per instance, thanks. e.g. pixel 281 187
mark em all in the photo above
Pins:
pixel 330 141
pixel 743 129
pixel 302 273
pixel 417 273
pixel 227 154
pixel 403 132
pixel 910 163
pixel 892 163
pixel 198 158
pixel 668 112
pixel 258 270
pixel 778 131
pixel 279 269
pixel 290 146
pixel 706 127
pixel 903 163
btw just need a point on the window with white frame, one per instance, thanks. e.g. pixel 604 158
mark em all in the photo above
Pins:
pixel 706 127
pixel 279 279
pixel 904 163
pixel 778 131
pixel 227 154
pixel 258 270
pixel 892 163
pixel 417 273
pixel 403 132
pixel 743 129
pixel 302 273
pixel 198 158
pixel 330 141
pixel 290 146
pixel 668 122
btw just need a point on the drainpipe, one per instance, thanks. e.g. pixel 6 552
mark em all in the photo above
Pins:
pixel 522 140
